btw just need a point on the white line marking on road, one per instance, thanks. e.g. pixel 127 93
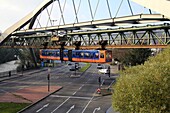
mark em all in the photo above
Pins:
pixel 60 105
pixel 96 109
pixel 102 83
pixel 87 104
pixel 63 102
pixel 44 106
pixel 81 86
pixel 74 92
pixel 111 83
pixel 74 97
pixel 72 107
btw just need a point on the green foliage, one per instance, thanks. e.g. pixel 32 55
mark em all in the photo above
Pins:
pixel 136 56
pixel 6 55
pixel 12 107
pixel 144 88
pixel 27 59
pixel 85 67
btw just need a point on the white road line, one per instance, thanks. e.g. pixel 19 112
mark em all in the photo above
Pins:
pixel 60 105
pixel 72 107
pixel 81 86
pixel 89 100
pixel 74 93
pixel 44 106
pixel 102 83
pixel 64 101
pixel 87 105
pixel 74 97
pixel 96 109
pixel 111 83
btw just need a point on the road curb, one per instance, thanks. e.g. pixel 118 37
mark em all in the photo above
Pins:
pixel 38 101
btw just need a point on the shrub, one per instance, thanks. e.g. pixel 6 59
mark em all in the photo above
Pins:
pixel 144 88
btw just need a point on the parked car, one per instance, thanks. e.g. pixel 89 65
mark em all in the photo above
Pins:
pixel 99 66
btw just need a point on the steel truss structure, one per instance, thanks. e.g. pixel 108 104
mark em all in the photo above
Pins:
pixel 39 29
pixel 150 36
pixel 30 32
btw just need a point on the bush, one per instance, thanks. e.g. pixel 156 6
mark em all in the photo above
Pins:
pixel 144 88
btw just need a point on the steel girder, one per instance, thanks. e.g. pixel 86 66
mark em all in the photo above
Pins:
pixel 157 36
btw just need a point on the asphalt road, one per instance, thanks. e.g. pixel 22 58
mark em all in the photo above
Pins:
pixel 78 94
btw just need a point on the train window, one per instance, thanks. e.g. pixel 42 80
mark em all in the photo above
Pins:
pixel 96 55
pixel 46 53
pixel 57 53
pixel 101 55
pixel 77 54
pixel 81 55
pixel 74 54
pixel 91 55
pixel 108 55
pixel 87 55
pixel 65 54
pixel 53 53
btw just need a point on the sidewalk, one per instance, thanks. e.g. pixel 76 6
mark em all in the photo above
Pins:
pixel 28 72
pixel 28 95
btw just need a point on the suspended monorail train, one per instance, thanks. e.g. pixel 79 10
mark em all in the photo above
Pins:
pixel 93 56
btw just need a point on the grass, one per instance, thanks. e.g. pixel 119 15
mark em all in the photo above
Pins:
pixel 11 107
pixel 85 67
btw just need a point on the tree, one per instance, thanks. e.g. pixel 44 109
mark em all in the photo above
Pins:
pixel 144 88
pixel 7 55
pixel 26 58
pixel 136 56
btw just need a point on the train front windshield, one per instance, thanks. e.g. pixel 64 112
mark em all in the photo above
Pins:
pixel 108 56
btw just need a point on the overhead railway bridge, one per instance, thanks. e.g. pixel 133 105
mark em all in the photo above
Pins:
pixel 58 24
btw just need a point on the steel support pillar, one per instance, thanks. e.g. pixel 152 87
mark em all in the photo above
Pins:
pixel 33 56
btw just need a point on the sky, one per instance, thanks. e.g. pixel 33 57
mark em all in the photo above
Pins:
pixel 12 11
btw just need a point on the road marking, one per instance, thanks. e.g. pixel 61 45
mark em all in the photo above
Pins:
pixel 64 102
pixel 46 105
pixel 74 92
pixel 60 105
pixel 102 82
pixel 96 109
pixel 72 107
pixel 87 104
pixel 74 97
pixel 81 86
pixel 111 83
